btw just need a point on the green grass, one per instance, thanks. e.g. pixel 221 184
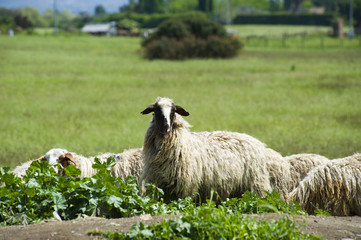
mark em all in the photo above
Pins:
pixel 85 94
pixel 276 30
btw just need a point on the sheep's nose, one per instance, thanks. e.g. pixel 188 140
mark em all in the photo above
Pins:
pixel 165 129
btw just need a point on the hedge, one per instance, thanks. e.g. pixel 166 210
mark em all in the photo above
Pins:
pixel 285 18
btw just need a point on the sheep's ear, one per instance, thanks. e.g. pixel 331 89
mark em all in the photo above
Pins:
pixel 181 111
pixel 66 159
pixel 149 109
pixel 41 158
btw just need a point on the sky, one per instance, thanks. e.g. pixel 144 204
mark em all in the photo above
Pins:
pixel 75 6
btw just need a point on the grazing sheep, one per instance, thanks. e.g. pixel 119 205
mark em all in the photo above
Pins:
pixel 334 187
pixel 128 162
pixel 183 163
pixel 21 169
pixel 302 164
pixel 51 156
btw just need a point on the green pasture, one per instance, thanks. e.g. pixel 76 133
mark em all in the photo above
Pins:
pixel 86 93
pixel 276 30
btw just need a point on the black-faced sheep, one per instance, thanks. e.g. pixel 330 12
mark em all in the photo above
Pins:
pixel 334 187
pixel 183 163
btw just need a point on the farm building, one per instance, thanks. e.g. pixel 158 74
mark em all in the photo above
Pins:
pixel 107 29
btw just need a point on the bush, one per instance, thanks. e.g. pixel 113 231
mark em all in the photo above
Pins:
pixel 127 24
pixel 190 37
pixel 172 28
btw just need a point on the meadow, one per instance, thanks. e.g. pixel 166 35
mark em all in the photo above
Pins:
pixel 86 93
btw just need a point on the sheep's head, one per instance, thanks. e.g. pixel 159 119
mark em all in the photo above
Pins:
pixel 164 113
pixel 53 155
pixel 61 156
pixel 65 160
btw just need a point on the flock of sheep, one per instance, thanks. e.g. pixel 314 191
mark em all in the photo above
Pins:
pixel 185 163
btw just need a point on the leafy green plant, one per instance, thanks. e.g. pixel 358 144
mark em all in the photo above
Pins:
pixel 321 212
pixel 209 222
pixel 250 203
pixel 42 191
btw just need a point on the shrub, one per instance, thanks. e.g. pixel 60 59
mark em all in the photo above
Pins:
pixel 127 24
pixel 172 28
pixel 167 48
pixel 190 37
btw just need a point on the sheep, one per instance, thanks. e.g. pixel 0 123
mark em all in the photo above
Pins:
pixel 20 170
pixel 184 163
pixel 334 187
pixel 128 162
pixel 51 156
pixel 302 164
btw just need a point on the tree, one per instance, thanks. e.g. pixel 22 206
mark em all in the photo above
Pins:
pixel 274 5
pixel 151 6
pixel 205 6
pixel 293 5
pixel 23 22
pixel 6 23
pixel 342 7
pixel 33 15
pixel 99 10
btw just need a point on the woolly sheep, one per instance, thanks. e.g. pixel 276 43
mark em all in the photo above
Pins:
pixel 51 156
pixel 302 164
pixel 128 162
pixel 183 163
pixel 334 187
pixel 21 169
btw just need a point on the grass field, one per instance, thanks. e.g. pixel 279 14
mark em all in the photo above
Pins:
pixel 85 94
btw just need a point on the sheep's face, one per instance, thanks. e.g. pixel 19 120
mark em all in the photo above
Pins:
pixel 53 155
pixel 164 113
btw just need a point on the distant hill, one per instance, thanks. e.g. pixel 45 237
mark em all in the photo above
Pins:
pixel 75 6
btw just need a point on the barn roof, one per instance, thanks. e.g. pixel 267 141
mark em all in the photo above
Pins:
pixel 98 27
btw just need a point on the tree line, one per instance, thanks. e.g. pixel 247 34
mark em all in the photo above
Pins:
pixel 222 11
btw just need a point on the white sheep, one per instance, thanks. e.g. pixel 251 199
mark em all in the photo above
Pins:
pixel 51 156
pixel 302 164
pixel 183 163
pixel 334 187
pixel 21 169
pixel 128 162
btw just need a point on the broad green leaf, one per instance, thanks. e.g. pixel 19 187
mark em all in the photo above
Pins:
pixel 59 201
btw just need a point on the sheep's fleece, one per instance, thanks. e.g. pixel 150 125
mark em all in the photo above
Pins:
pixel 334 187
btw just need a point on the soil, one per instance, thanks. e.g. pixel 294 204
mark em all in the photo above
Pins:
pixel 345 228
